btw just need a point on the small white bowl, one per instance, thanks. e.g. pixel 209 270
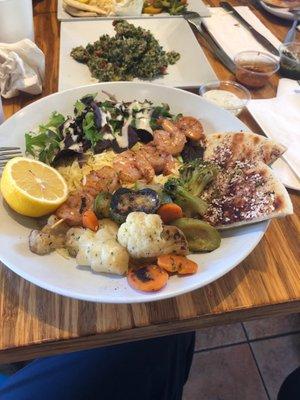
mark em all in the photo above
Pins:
pixel 234 101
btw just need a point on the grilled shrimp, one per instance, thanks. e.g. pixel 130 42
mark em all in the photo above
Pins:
pixel 102 180
pixel 132 166
pixel 126 167
pixel 144 166
pixel 191 127
pixel 73 208
pixel 170 139
pixel 160 161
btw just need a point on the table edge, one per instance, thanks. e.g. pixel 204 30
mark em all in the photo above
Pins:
pixel 60 346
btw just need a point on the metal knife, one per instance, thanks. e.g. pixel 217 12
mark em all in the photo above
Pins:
pixel 258 36
pixel 195 19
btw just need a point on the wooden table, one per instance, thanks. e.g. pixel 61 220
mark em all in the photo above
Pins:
pixel 35 322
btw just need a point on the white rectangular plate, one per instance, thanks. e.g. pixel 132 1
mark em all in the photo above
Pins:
pixel 191 70
pixel 194 5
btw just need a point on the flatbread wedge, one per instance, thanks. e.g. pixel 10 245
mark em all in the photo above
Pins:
pixel 283 3
pixel 78 13
pixel 86 7
pixel 225 148
pixel 244 193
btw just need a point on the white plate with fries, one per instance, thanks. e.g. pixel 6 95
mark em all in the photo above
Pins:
pixel 79 14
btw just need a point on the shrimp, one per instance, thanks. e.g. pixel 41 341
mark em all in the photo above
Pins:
pixel 102 180
pixel 73 208
pixel 145 167
pixel 133 166
pixel 170 139
pixel 126 168
pixel 191 127
pixel 160 161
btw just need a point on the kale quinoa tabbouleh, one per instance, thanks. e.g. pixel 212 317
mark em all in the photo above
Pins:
pixel 132 53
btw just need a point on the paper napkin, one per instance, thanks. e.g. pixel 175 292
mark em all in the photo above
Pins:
pixel 22 68
pixel 232 36
pixel 279 118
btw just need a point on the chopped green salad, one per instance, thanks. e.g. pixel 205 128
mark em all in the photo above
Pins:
pixel 132 53
pixel 95 126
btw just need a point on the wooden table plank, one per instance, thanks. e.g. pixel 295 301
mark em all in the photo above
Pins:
pixel 34 322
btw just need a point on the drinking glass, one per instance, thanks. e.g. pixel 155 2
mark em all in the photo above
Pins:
pixel 16 20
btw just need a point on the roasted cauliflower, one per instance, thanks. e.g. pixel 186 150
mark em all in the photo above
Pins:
pixel 100 249
pixel 144 236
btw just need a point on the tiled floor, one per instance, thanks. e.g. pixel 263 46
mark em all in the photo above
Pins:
pixel 246 361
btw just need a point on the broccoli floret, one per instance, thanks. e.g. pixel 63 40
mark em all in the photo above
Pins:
pixel 185 190
pixel 196 175
pixel 190 204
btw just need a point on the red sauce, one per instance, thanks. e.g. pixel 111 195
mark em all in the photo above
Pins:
pixel 253 76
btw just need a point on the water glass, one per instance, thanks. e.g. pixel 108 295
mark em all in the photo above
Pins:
pixel 16 20
pixel 290 60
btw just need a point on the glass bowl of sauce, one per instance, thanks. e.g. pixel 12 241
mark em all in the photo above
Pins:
pixel 255 68
pixel 226 94
pixel 290 60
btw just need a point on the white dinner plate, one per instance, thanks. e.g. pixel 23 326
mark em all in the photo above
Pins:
pixel 60 275
pixel 191 70
pixel 193 5
pixel 277 11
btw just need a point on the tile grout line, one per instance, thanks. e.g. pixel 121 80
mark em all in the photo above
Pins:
pixel 223 346
pixel 273 336
pixel 256 363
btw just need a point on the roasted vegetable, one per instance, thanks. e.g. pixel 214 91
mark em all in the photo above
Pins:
pixel 168 212
pixel 190 204
pixel 191 151
pixel 196 175
pixel 180 264
pixel 150 278
pixel 124 201
pixel 90 220
pixel 164 197
pixel 185 190
pixel 145 236
pixel 102 205
pixel 200 235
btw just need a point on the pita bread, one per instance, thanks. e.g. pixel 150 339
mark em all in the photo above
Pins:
pixel 226 148
pixel 78 13
pixel 86 7
pixel 245 193
pixel 283 3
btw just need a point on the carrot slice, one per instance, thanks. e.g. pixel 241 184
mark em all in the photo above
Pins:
pixel 90 220
pixel 169 212
pixel 180 264
pixel 149 278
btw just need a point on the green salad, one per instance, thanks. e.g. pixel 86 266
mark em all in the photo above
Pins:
pixel 132 53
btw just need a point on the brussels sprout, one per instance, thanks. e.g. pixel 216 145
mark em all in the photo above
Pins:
pixel 200 235
pixel 102 205
pixel 124 201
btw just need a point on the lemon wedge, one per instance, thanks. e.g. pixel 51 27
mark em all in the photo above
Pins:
pixel 31 187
